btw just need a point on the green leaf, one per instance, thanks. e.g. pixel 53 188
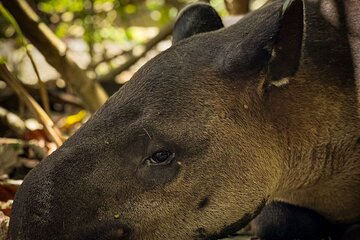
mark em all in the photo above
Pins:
pixel 2 60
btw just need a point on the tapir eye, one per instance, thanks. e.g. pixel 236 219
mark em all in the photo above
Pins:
pixel 161 158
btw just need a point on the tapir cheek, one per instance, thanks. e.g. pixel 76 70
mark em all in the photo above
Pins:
pixel 153 176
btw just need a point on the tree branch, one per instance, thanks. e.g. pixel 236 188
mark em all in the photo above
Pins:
pixel 107 59
pixel 52 131
pixel 164 32
pixel 55 52
pixel 42 88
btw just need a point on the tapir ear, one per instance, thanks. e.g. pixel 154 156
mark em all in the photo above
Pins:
pixel 194 19
pixel 286 51
pixel 268 39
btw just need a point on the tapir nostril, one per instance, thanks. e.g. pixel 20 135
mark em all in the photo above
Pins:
pixel 117 233
pixel 106 231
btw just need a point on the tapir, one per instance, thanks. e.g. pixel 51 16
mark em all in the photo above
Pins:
pixel 227 122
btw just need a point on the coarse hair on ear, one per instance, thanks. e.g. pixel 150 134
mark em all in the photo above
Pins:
pixel 287 48
pixel 194 19
pixel 267 40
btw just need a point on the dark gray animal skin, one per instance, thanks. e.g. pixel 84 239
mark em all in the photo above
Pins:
pixel 194 19
pixel 207 132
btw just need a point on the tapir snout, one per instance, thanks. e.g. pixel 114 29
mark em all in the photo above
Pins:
pixel 47 188
pixel 204 134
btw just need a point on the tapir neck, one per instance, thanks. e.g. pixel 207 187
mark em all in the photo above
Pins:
pixel 315 117
pixel 317 124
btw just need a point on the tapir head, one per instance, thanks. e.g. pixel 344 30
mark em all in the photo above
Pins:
pixel 183 150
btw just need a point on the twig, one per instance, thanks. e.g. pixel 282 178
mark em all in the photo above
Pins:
pixel 66 98
pixel 51 130
pixel 164 32
pixel 33 145
pixel 108 59
pixel 13 121
pixel 42 89
pixel 90 29
pixel 55 95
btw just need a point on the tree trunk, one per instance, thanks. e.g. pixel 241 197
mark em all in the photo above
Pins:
pixel 56 54
pixel 237 7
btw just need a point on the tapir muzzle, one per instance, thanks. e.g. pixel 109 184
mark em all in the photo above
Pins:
pixel 107 231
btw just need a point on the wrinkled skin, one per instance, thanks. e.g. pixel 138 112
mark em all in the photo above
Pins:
pixel 209 103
